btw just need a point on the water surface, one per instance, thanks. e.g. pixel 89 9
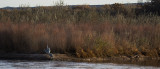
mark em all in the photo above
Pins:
pixel 24 64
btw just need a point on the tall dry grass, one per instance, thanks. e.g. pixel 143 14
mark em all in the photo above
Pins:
pixel 83 31
pixel 82 40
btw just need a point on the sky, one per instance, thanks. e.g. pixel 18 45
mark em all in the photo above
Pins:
pixel 33 3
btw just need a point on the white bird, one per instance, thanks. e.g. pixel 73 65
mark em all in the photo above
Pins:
pixel 48 50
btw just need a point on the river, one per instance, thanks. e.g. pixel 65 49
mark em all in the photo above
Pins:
pixel 24 64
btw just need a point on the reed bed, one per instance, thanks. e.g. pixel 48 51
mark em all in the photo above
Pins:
pixel 82 31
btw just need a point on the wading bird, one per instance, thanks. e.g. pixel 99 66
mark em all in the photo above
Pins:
pixel 48 50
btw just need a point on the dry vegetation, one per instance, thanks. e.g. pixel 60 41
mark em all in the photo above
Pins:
pixel 83 31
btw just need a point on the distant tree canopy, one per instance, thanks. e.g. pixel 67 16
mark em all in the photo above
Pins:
pixel 155 3
pixel 152 7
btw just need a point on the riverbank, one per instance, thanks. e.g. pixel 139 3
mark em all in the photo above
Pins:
pixel 140 60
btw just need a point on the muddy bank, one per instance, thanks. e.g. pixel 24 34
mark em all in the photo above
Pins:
pixel 140 60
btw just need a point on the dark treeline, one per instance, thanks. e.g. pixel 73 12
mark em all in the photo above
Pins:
pixel 83 31
pixel 152 7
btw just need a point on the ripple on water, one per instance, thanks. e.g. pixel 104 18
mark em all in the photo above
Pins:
pixel 19 64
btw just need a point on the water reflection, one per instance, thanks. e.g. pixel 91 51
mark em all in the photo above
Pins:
pixel 22 64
